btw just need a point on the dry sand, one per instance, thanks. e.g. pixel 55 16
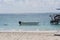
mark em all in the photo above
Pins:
pixel 28 36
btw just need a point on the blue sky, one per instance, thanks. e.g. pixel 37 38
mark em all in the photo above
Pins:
pixel 29 6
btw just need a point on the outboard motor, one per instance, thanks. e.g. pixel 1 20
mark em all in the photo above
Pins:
pixel 20 22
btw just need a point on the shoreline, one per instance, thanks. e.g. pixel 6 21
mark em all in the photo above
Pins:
pixel 30 31
pixel 28 36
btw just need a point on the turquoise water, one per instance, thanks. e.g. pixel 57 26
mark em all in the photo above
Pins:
pixel 10 21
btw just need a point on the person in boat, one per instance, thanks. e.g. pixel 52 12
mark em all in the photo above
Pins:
pixel 20 22
pixel 57 17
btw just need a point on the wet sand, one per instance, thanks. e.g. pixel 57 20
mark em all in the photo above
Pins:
pixel 28 36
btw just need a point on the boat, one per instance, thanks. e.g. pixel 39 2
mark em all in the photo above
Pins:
pixel 28 23
pixel 55 19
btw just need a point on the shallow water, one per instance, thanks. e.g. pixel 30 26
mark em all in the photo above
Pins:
pixel 10 22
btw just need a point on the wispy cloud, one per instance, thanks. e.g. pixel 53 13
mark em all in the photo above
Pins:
pixel 20 6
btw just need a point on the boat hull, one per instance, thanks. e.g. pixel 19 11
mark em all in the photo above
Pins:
pixel 29 23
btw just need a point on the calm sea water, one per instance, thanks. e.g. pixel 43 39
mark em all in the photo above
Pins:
pixel 10 22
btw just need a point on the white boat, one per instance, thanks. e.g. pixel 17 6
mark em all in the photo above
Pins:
pixel 28 23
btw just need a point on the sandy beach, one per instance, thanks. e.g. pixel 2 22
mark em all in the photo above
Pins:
pixel 28 36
